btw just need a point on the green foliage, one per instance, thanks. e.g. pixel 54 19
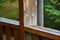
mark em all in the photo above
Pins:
pixel 54 1
pixel 57 2
pixel 2 1
pixel 52 16
pixel 12 1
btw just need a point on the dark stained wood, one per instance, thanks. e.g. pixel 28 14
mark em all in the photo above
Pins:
pixel 35 37
pixel 8 33
pixel 39 33
pixel 43 34
pixel 25 36
pixel 9 25
pixel 45 38
pixel 21 19
pixel 1 33
pixel 16 34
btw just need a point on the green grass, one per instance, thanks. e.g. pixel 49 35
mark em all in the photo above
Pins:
pixel 10 10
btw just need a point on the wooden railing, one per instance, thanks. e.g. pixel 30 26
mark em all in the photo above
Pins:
pixel 11 32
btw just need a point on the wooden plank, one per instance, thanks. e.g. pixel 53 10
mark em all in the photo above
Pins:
pixel 1 33
pixel 43 34
pixel 16 34
pixel 9 25
pixel 8 33
pixel 35 37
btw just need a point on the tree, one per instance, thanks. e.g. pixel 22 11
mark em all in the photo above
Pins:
pixel 52 14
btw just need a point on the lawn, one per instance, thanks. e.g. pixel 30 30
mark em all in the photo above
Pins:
pixel 9 10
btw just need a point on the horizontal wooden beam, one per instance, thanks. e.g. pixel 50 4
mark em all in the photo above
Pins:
pixel 9 25
pixel 43 34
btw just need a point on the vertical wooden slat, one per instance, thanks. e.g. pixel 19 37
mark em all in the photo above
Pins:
pixel 21 20
pixel 8 33
pixel 35 37
pixel 25 36
pixel 16 33
pixel 1 33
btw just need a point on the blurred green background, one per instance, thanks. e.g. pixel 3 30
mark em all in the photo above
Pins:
pixel 52 14
pixel 9 9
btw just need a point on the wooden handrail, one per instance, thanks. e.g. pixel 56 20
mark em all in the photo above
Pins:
pixel 33 31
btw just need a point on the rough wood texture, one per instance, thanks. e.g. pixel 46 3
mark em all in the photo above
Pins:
pixel 30 12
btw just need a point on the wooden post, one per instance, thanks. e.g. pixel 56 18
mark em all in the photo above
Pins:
pixel 21 19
